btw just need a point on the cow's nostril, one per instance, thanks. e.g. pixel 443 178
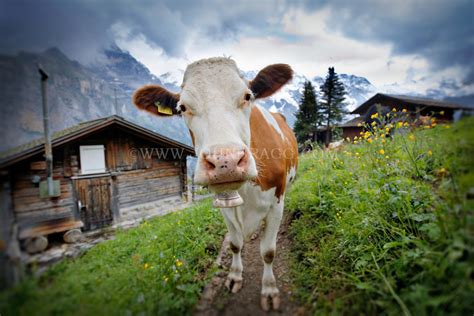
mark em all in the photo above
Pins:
pixel 243 160
pixel 210 165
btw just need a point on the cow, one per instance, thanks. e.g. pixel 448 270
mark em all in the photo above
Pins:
pixel 240 146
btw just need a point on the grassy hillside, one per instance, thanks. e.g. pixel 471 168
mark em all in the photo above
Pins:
pixel 385 226
pixel 157 268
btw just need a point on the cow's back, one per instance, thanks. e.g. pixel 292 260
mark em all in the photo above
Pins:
pixel 274 148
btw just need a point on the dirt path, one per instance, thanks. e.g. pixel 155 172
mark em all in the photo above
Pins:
pixel 216 299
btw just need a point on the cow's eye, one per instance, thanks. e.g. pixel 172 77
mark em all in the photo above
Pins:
pixel 182 108
pixel 247 97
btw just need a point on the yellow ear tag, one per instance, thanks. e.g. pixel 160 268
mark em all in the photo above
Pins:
pixel 163 109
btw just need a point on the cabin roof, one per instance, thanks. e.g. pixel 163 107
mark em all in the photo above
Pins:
pixel 407 101
pixel 72 133
pixel 353 122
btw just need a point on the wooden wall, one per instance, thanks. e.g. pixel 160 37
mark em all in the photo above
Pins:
pixel 29 207
pixel 143 186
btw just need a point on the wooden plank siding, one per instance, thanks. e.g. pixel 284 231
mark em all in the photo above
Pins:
pixel 29 207
pixel 143 186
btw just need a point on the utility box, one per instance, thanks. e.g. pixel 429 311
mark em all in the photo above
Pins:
pixel 44 189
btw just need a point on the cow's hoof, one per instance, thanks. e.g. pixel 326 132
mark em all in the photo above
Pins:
pixel 233 285
pixel 270 300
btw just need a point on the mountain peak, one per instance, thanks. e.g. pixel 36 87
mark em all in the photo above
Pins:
pixel 54 52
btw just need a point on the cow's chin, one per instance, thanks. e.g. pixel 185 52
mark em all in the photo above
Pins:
pixel 226 186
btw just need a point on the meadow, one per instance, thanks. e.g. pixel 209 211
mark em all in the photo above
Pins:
pixel 158 268
pixel 385 225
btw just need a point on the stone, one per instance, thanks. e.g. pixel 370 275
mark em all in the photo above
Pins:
pixel 36 244
pixel 72 236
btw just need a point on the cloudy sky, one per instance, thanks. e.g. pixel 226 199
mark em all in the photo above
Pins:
pixel 418 45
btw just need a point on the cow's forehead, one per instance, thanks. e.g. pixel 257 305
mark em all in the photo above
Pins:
pixel 205 78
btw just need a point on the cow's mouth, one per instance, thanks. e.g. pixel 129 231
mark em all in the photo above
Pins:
pixel 226 186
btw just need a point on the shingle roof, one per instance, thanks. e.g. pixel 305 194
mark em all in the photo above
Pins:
pixel 353 122
pixel 407 100
pixel 58 138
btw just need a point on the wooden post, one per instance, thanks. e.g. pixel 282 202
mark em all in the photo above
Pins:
pixel 11 269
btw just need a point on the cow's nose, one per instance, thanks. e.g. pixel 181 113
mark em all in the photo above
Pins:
pixel 226 165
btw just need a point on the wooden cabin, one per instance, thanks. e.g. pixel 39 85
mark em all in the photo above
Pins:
pixel 102 170
pixel 416 107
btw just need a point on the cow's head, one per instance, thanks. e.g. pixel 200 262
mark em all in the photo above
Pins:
pixel 215 102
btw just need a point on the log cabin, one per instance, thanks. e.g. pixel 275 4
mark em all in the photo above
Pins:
pixel 103 171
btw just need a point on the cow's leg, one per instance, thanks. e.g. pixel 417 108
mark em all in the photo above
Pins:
pixel 268 251
pixel 232 220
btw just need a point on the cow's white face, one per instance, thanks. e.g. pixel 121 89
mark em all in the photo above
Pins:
pixel 215 103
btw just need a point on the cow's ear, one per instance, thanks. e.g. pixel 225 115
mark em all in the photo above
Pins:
pixel 156 100
pixel 270 79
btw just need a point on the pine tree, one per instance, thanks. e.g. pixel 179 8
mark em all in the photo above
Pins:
pixel 308 117
pixel 332 102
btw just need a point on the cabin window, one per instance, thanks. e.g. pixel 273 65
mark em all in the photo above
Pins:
pixel 92 159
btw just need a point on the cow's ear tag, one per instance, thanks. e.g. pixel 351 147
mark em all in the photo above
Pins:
pixel 163 109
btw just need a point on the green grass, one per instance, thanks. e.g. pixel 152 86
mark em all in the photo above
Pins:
pixel 158 268
pixel 386 227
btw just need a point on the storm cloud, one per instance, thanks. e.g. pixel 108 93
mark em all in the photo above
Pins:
pixel 82 28
pixel 439 32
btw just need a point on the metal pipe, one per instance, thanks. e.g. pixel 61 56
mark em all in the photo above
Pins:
pixel 47 136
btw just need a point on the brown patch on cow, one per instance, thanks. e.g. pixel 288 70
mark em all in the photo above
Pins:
pixel 273 155
pixel 269 256
pixel 192 137
pixel 234 248
pixel 145 98
pixel 270 79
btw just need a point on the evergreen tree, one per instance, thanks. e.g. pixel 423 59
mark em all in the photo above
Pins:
pixel 332 102
pixel 308 117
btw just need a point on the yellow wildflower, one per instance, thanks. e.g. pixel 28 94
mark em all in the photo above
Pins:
pixel 394 110
pixel 146 266
pixel 430 153
pixel 374 115
pixel 369 140
pixel 405 124
pixel 411 137
pixel 382 152
pixel 434 125
pixel 383 141
pixel 386 157
pixel 387 130
pixel 404 110
pixel 373 123
pixel 400 124
pixel 359 124
pixel 179 263
pixel 441 112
